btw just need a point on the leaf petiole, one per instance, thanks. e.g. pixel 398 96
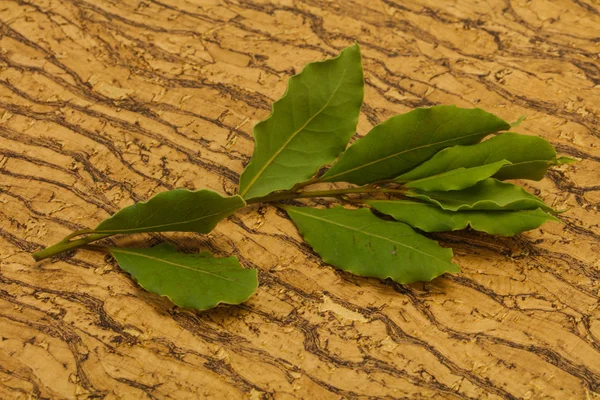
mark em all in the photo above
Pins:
pixel 63 246
pixel 290 194
pixel 95 247
pixel 72 235
pixel 304 184
pixel 67 244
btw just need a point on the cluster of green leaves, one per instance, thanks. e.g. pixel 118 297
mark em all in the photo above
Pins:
pixel 424 171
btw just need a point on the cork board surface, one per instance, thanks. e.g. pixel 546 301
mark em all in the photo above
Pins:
pixel 104 103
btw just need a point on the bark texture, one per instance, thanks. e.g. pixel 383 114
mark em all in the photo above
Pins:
pixel 104 103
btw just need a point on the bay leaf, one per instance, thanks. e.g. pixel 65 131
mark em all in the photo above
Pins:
pixel 179 210
pixel 430 218
pixel 530 157
pixel 198 281
pixel 358 242
pixel 489 194
pixel 456 179
pixel 308 127
pixel 404 141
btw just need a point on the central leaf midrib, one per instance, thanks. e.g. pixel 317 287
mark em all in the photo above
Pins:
pixel 525 162
pixel 328 178
pixel 509 164
pixel 438 176
pixel 131 253
pixel 456 171
pixel 165 225
pixel 270 160
pixel 368 234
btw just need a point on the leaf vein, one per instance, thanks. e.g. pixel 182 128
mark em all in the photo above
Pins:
pixel 397 154
pixel 270 160
pixel 132 253
pixel 367 234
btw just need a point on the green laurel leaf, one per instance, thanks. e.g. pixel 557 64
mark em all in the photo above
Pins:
pixel 456 179
pixel 358 242
pixel 406 140
pixel 530 157
pixel 430 218
pixel 308 127
pixel 179 210
pixel 489 194
pixel 197 281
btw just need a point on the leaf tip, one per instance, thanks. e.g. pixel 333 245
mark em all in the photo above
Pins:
pixel 564 160
pixel 518 121
pixel 455 269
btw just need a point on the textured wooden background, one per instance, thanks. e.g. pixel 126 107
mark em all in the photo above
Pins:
pixel 107 102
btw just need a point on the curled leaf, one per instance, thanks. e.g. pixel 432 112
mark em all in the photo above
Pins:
pixel 489 194
pixel 430 218
pixel 456 179
pixel 529 156
pixel 405 141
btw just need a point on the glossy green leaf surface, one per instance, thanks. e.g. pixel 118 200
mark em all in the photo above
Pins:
pixel 457 179
pixel 197 281
pixel 308 127
pixel 489 194
pixel 430 218
pixel 175 210
pixel 405 141
pixel 357 241
pixel 530 157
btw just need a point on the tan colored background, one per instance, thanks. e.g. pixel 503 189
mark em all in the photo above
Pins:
pixel 103 103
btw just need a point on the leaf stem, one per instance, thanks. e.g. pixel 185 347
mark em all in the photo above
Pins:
pixel 64 246
pixel 75 234
pixel 288 195
pixel 95 247
pixel 69 243
pixel 301 185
